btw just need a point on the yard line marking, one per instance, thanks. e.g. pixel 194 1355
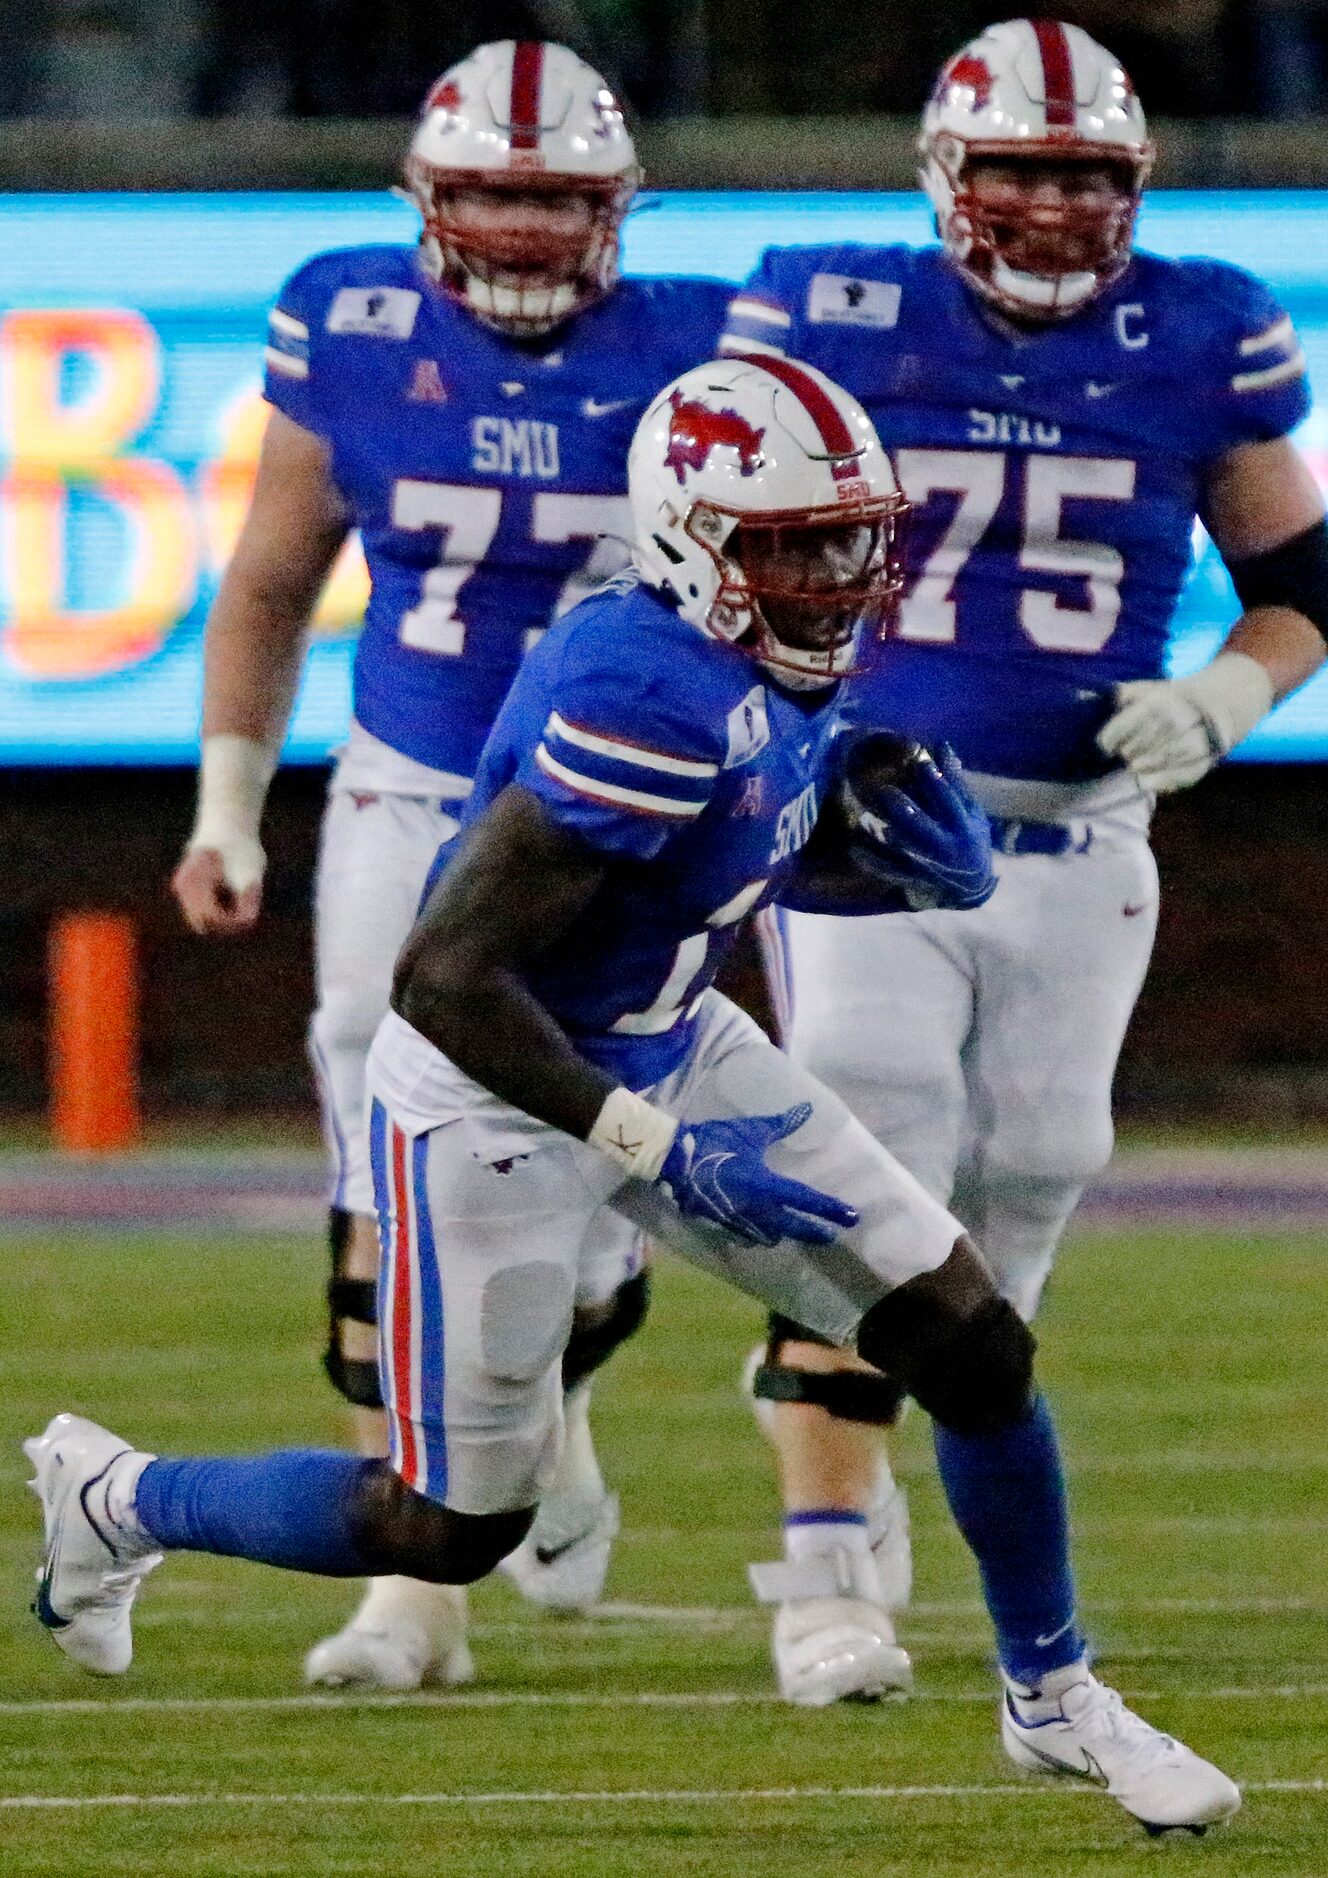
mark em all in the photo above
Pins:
pixel 1225 1525
pixel 614 1619
pixel 638 1796
pixel 572 1698
pixel 961 1607
pixel 459 1699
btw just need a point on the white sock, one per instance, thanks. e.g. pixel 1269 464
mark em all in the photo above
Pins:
pixel 439 1610
pixel 113 1507
pixel 1052 1686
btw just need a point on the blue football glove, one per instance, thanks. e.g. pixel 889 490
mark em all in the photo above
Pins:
pixel 920 830
pixel 716 1171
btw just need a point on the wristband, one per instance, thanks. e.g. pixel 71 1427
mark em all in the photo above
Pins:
pixel 1233 694
pixel 233 777
pixel 634 1133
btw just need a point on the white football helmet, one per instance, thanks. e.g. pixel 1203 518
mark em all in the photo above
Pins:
pixel 530 117
pixel 1030 89
pixel 764 505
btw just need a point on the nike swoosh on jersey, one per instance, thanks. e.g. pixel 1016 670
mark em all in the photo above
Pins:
pixel 1094 390
pixel 595 407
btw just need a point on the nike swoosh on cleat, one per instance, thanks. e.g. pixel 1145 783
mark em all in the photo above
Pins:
pixel 1090 1769
pixel 87 1487
pixel 42 1608
pixel 546 1554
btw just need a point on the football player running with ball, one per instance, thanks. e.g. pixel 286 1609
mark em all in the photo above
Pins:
pixel 468 407
pixel 556 1058
pixel 1060 407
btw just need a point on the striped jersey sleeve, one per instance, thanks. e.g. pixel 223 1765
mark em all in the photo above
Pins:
pixel 1263 384
pixel 624 767
pixel 760 316
pixel 289 380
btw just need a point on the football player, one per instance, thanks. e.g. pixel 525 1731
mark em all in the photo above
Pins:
pixel 556 1064
pixel 1060 406
pixel 467 406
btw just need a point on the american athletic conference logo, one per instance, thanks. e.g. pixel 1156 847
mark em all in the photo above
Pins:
pixel 695 430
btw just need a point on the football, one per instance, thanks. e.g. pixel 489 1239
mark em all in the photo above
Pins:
pixel 880 760
pixel 873 762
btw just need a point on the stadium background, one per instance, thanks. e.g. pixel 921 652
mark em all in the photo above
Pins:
pixel 130 326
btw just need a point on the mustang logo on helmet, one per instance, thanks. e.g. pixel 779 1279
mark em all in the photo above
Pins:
pixel 695 430
pixel 968 70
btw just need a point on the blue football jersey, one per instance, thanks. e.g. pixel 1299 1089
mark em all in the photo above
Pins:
pixel 1055 475
pixel 487 477
pixel 696 777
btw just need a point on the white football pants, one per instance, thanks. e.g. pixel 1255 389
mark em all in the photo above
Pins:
pixel 494 1226
pixel 979 1047
pixel 375 853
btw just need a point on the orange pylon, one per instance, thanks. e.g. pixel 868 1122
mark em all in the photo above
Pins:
pixel 93 976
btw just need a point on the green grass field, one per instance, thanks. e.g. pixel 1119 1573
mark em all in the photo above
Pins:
pixel 1189 1374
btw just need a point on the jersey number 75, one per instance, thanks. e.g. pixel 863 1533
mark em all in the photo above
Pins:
pixel 979 478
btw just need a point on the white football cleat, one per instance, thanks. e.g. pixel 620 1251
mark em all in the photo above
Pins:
pixel 1084 1730
pixel 563 1561
pixel 405 1634
pixel 93 1563
pixel 832 1640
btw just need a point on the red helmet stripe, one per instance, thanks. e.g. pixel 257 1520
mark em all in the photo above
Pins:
pixel 1057 72
pixel 527 75
pixel 835 433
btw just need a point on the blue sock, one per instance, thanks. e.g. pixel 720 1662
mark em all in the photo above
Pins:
pixel 291 1508
pixel 1007 1494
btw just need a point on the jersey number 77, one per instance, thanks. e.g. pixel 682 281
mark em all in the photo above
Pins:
pixel 471 515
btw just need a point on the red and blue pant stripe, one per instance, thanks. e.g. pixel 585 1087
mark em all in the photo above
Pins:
pixel 410 1306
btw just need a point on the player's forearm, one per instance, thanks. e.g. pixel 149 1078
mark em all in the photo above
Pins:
pixel 489 1024
pixel 828 887
pixel 253 649
pixel 1288 646
pixel 513 885
pixel 296 524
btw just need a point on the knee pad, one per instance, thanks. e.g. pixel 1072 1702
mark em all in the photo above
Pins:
pixel 353 1300
pixel 597 1334
pixel 973 1375
pixel 400 1531
pixel 849 1395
